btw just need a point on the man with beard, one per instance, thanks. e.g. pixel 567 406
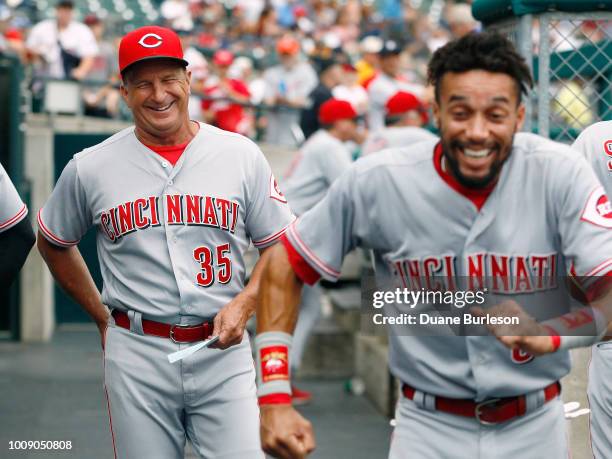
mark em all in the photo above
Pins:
pixel 449 210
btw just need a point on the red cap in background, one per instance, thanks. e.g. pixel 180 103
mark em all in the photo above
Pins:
pixel 223 58
pixel 334 110
pixel 402 102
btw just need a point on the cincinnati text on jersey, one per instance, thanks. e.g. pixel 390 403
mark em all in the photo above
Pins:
pixel 172 209
pixel 498 273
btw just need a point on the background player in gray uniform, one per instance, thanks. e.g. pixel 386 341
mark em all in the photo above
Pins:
pixel 174 204
pixel 387 83
pixel 320 161
pixel 405 116
pixel 595 143
pixel 443 211
pixel 16 235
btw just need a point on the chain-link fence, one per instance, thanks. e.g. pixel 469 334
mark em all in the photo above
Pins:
pixel 571 58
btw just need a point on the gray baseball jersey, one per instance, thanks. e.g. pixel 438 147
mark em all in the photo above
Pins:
pixel 397 204
pixel 171 240
pixel 395 137
pixel 12 209
pixel 595 143
pixel 379 91
pixel 320 161
pixel 295 83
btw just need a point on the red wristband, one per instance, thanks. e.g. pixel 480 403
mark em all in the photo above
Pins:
pixel 275 399
pixel 555 338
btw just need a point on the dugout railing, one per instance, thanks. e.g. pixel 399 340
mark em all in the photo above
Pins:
pixel 568 45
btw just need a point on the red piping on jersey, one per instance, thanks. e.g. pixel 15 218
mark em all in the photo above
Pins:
pixel 17 216
pixel 477 196
pixel 310 254
pixel 171 153
pixel 52 236
pixel 271 238
pixel 302 269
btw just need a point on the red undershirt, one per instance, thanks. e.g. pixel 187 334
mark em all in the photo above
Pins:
pixel 172 153
pixel 477 196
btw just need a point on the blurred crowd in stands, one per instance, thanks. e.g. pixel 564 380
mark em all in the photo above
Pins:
pixel 259 67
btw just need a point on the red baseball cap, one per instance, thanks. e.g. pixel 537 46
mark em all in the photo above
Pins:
pixel 223 58
pixel 334 110
pixel 402 102
pixel 149 42
pixel 287 45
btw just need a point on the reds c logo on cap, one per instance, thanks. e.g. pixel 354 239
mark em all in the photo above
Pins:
pixel 154 43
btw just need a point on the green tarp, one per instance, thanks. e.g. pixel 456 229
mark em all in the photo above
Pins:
pixel 488 11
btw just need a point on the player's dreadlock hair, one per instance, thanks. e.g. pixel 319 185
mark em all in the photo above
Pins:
pixel 487 51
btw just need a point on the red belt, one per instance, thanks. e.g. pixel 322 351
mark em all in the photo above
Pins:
pixel 487 412
pixel 177 333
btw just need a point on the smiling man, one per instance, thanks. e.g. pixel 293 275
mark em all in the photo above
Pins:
pixel 449 210
pixel 175 205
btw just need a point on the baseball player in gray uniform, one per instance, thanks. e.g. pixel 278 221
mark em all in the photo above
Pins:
pixel 16 235
pixel 386 84
pixel 404 117
pixel 595 143
pixel 174 204
pixel 445 210
pixel 321 160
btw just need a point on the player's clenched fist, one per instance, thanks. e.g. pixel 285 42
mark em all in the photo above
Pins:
pixel 528 335
pixel 285 434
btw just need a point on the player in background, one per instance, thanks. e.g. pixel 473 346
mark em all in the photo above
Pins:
pixel 405 117
pixel 386 83
pixel 175 205
pixel 16 235
pixel 442 211
pixel 320 161
pixel 595 144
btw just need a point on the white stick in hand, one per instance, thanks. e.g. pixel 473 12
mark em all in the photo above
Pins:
pixel 180 355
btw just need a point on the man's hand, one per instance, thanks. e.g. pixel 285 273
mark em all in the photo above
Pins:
pixel 528 335
pixel 285 434
pixel 231 321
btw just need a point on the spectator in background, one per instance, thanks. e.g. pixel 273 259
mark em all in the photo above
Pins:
pixel 349 89
pixel 287 88
pixel 460 20
pixel 367 66
pixel 405 117
pixel 103 99
pixel 330 75
pixel 61 47
pixel 177 14
pixel 387 83
pixel 198 66
pixel 224 109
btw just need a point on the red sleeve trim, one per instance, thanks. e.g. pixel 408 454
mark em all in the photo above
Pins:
pixel 271 238
pixel 311 255
pixel 555 338
pixel 21 214
pixel 593 284
pixel 52 237
pixel 275 399
pixel 302 269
